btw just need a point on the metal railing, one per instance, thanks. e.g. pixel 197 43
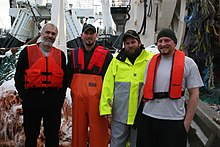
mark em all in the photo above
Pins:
pixel 205 130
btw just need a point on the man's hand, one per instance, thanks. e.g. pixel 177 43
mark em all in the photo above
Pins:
pixel 109 118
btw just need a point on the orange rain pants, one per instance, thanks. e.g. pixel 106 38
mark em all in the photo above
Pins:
pixel 86 92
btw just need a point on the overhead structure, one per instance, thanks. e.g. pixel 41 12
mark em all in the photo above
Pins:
pixel 30 15
pixel 148 17
pixel 58 18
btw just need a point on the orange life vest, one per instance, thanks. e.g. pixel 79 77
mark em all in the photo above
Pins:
pixel 96 62
pixel 176 77
pixel 43 71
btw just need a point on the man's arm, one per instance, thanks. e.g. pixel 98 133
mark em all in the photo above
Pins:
pixel 107 91
pixel 191 107
pixel 21 66
pixel 63 89
pixel 69 69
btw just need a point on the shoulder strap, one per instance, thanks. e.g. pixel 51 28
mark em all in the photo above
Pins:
pixel 150 79
pixel 78 59
pixel 177 71
pixel 34 54
pixel 98 59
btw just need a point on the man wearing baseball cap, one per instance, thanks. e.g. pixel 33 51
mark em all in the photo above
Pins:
pixel 121 87
pixel 165 121
pixel 86 69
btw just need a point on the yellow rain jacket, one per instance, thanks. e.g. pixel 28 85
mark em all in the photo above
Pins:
pixel 121 87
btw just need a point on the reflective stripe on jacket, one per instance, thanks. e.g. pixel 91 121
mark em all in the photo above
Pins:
pixel 43 71
pixel 96 62
pixel 122 84
pixel 176 78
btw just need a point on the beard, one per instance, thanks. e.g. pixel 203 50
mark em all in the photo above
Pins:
pixel 132 52
pixel 89 44
pixel 47 41
pixel 165 51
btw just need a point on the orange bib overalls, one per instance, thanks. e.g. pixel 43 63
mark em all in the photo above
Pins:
pixel 86 92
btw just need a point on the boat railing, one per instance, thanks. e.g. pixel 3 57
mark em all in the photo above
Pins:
pixel 205 129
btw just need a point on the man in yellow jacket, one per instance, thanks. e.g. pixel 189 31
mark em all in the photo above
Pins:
pixel 121 88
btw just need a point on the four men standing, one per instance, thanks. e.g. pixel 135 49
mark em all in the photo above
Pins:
pixel 42 77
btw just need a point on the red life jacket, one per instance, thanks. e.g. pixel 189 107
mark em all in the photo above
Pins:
pixel 43 71
pixel 176 77
pixel 96 62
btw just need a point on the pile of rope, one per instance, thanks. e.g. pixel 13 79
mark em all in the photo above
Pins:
pixel 202 34
pixel 11 121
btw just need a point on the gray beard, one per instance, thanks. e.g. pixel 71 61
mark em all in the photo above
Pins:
pixel 48 43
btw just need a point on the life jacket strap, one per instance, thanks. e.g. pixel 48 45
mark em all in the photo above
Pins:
pixel 46 82
pixel 162 95
pixel 46 73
